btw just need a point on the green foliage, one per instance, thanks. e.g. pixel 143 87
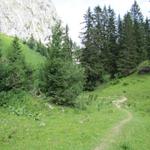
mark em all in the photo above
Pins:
pixel 62 78
pixel 127 60
pixel 111 47
pixel 147 32
pixel 85 100
pixel 139 32
pixel 41 49
pixel 19 68
pixel 31 42
pixel 22 121
pixel 33 59
pixel 90 57
pixel 63 81
pixel 16 68
pixel 14 73
pixel 37 46
pixel 67 45
pixel 144 67
pixel 12 97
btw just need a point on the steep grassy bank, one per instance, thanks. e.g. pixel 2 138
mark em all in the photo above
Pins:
pixel 33 59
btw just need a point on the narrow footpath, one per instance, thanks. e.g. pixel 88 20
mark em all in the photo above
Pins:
pixel 116 130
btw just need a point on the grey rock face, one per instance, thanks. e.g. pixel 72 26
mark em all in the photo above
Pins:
pixel 24 18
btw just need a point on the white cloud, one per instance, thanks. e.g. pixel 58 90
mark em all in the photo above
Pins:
pixel 71 11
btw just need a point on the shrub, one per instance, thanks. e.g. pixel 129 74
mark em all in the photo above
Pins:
pixel 144 67
pixel 11 97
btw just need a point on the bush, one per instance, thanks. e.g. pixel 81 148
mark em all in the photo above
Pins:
pixel 144 68
pixel 11 97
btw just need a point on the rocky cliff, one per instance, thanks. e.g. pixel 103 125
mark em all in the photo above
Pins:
pixel 24 18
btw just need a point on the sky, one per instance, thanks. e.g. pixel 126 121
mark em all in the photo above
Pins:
pixel 71 12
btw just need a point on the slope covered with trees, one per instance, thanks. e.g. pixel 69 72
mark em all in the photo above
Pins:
pixel 113 47
pixel 41 70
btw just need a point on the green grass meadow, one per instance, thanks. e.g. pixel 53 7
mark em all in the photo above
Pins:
pixel 32 58
pixel 39 125
pixel 32 123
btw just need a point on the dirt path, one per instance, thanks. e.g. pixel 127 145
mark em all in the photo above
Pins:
pixel 115 131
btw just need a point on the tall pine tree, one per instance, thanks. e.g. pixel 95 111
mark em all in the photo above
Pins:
pixel 147 35
pixel 90 53
pixel 67 45
pixel 127 59
pixel 139 32
pixel 112 51
pixel 62 79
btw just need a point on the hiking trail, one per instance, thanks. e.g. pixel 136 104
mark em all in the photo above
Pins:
pixel 116 130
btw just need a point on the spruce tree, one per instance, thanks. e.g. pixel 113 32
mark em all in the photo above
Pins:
pixel 76 52
pixel 139 32
pixel 112 51
pixel 90 53
pixel 2 71
pixel 147 35
pixel 62 79
pixel 16 67
pixel 32 43
pixel 41 48
pixel 127 59
pixel 67 45
pixel 119 32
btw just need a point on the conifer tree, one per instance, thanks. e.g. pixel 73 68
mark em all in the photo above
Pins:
pixel 119 31
pixel 67 45
pixel 62 79
pixel 16 77
pixel 147 35
pixel 127 59
pixel 32 42
pixel 139 32
pixel 41 48
pixel 112 51
pixel 90 53
pixel 2 71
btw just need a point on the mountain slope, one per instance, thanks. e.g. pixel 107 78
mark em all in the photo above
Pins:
pixel 32 58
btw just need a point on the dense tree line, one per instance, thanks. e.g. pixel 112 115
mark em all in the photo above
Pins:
pixel 113 47
pixel 60 78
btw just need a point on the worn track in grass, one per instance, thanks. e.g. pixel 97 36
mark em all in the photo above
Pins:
pixel 116 130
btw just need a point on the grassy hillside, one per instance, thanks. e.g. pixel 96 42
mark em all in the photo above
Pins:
pixel 31 123
pixel 32 58
pixel 36 124
pixel 136 88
